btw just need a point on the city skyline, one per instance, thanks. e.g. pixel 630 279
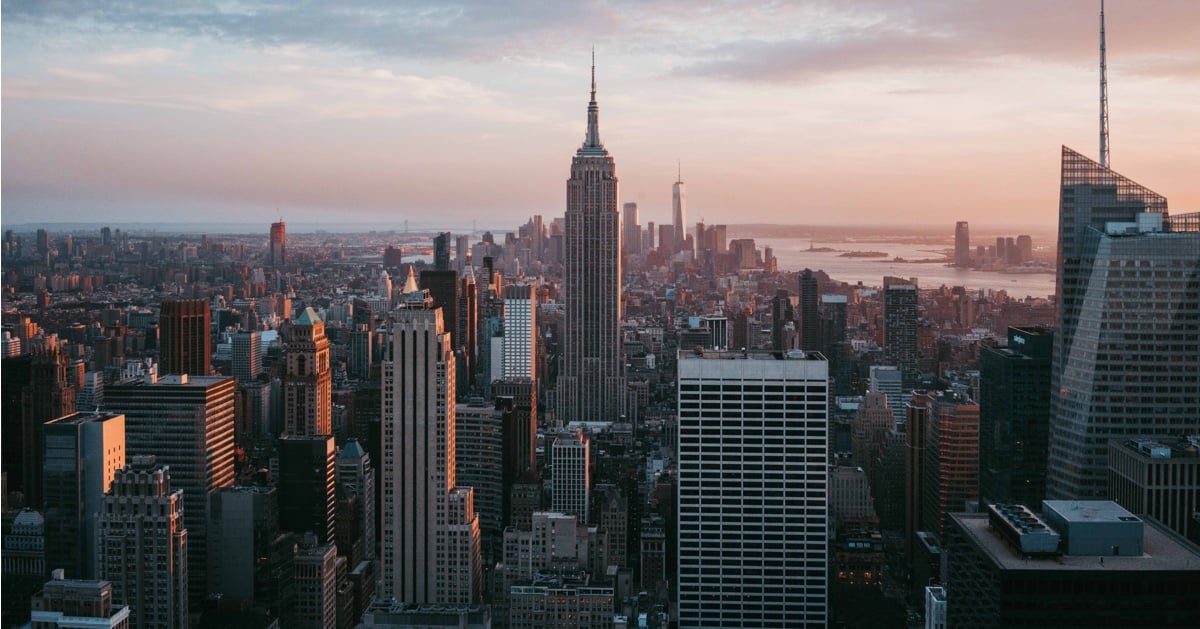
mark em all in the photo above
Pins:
pixel 380 112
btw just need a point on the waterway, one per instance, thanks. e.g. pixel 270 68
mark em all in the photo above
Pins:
pixel 793 255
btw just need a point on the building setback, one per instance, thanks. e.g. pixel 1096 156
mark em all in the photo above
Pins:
pixel 186 423
pixel 431 551
pixel 591 384
pixel 143 546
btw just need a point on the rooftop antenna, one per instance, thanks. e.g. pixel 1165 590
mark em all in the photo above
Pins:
pixel 1104 156
pixel 593 73
pixel 679 170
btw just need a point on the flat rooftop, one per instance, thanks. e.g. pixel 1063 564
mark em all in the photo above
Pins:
pixel 752 354
pixel 1161 550
pixel 1091 511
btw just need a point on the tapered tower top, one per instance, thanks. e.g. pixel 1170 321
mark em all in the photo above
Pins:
pixel 591 142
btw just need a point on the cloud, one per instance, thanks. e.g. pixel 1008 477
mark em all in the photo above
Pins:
pixel 80 75
pixel 731 40
pixel 474 29
pixel 140 57
pixel 871 35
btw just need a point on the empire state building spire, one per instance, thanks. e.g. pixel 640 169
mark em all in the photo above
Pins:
pixel 591 143
pixel 591 379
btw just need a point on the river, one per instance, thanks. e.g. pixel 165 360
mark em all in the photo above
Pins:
pixel 793 255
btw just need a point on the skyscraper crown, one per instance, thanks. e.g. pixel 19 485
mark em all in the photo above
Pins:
pixel 591 142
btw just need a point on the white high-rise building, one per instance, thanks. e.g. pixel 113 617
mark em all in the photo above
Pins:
pixel 753 501
pixel 431 552
pixel 520 333
pixel 247 355
pixel 889 381
pixel 570 460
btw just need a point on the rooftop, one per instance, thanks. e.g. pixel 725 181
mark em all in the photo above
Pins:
pixel 753 354
pixel 1157 448
pixel 1161 550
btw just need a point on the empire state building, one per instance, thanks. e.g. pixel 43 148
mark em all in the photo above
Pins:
pixel 591 384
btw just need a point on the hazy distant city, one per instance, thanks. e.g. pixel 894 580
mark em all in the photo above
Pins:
pixel 282 348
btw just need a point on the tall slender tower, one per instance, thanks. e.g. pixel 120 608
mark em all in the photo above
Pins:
pixel 431 546
pixel 900 328
pixel 308 383
pixel 678 210
pixel 1104 157
pixel 278 244
pixel 810 318
pixel 632 236
pixel 591 386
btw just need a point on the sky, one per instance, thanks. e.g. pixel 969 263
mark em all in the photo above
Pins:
pixel 447 112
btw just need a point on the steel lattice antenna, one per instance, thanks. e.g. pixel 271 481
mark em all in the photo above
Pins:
pixel 1104 146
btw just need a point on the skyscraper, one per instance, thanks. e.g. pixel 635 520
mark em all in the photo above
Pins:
pixel 753 547
pixel 356 476
pixel 632 238
pixel 570 461
pixel 430 533
pixel 1125 354
pixel 962 244
pixel 143 545
pixel 810 317
pixel 900 328
pixel 520 332
pixel 591 386
pixel 278 253
pixel 83 451
pixel 441 251
pixel 49 394
pixel 950 463
pixel 247 355
pixel 185 344
pixel 308 486
pixel 678 209
pixel 186 423
pixel 308 381
pixel 443 288
pixel 1014 417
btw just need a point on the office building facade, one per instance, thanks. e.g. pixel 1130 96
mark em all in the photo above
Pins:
pixel 900 328
pixel 1014 417
pixel 430 550
pixel 184 337
pixel 752 496
pixel 143 545
pixel 571 474
pixel 308 380
pixel 1159 478
pixel 520 332
pixel 83 452
pixel 186 423
pixel 1124 360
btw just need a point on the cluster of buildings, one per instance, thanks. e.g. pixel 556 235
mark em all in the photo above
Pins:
pixel 596 424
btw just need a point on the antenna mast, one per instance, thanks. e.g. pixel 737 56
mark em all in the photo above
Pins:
pixel 1104 148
